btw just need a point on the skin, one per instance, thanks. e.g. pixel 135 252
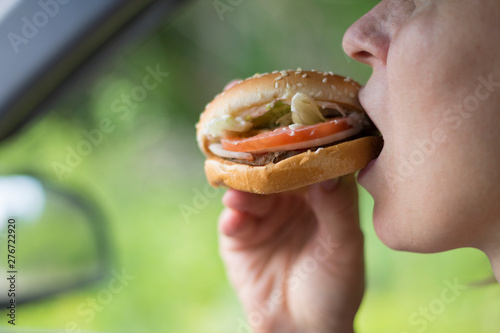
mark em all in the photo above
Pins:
pixel 435 184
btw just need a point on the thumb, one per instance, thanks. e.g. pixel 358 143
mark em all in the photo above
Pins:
pixel 335 204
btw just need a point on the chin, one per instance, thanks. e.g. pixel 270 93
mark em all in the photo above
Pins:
pixel 415 234
pixel 387 234
pixel 402 224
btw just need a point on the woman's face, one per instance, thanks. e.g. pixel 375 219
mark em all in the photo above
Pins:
pixel 435 96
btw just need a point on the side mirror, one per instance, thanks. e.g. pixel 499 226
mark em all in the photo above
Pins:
pixel 52 239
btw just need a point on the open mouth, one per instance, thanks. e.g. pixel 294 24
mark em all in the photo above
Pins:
pixel 369 112
pixel 376 130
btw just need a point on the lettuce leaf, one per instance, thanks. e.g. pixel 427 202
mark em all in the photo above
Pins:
pixel 279 115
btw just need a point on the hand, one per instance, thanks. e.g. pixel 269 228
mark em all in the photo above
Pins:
pixel 296 258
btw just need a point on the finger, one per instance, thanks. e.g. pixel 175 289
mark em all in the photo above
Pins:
pixel 232 83
pixel 335 204
pixel 253 204
pixel 242 229
pixel 236 224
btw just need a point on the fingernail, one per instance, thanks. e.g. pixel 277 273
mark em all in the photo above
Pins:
pixel 329 185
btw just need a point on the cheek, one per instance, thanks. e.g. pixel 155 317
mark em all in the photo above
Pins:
pixel 441 151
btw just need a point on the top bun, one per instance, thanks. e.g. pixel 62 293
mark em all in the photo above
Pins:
pixel 262 89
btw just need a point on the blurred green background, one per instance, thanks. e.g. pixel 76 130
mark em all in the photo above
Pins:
pixel 147 175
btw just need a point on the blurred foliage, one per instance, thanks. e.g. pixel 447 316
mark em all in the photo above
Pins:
pixel 147 173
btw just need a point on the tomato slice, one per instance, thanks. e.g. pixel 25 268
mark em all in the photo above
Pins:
pixel 285 138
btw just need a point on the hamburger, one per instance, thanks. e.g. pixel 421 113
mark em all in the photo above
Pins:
pixel 284 130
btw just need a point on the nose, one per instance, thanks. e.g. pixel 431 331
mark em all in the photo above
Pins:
pixel 368 40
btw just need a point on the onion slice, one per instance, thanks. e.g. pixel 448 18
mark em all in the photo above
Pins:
pixel 217 149
pixel 332 105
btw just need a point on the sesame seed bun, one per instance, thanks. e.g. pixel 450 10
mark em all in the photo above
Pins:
pixel 299 170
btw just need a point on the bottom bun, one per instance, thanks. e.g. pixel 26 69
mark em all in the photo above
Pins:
pixel 296 171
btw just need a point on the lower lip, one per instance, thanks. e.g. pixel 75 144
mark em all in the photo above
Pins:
pixel 364 171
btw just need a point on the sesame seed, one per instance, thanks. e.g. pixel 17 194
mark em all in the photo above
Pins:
pixel 325 80
pixel 285 74
pixel 299 69
pixel 278 78
pixel 305 75
pixel 333 87
pixel 300 85
pixel 274 72
pixel 288 85
pixel 313 70
pixel 330 96
pixel 276 85
pixel 311 94
pixel 325 74
pixel 318 94
pixel 347 79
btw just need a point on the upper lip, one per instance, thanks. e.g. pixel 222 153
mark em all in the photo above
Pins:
pixel 366 107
